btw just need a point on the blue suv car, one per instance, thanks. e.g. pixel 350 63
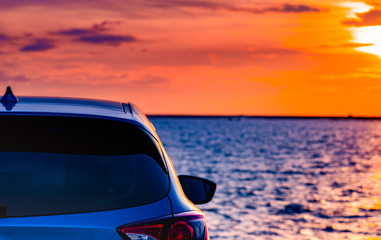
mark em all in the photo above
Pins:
pixel 90 169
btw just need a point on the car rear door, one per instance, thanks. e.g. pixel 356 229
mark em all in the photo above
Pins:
pixel 93 226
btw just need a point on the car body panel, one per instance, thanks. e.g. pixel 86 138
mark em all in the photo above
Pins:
pixel 69 105
pixel 94 225
pixel 78 107
pixel 179 202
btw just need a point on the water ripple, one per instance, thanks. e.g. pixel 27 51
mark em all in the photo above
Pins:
pixel 282 178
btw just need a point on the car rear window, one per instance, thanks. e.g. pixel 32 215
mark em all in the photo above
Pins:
pixel 59 165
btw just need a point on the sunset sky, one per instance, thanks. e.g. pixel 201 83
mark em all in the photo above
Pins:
pixel 214 57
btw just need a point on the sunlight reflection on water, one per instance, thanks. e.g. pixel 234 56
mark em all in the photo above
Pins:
pixel 283 178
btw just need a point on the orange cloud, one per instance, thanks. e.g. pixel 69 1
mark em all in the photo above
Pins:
pixel 370 18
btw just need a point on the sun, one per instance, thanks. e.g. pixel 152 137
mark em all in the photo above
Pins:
pixel 368 35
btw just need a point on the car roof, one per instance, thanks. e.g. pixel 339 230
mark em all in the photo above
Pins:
pixel 76 107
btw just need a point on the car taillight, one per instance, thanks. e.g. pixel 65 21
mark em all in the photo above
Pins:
pixel 184 226
pixel 180 231
pixel 150 231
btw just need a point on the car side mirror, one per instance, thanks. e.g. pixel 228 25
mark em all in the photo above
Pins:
pixel 198 190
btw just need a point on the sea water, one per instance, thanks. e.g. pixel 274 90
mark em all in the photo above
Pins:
pixel 282 178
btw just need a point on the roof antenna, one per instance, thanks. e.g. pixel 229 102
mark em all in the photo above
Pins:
pixel 9 100
pixel 9 96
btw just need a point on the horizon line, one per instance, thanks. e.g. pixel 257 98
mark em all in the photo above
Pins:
pixel 234 116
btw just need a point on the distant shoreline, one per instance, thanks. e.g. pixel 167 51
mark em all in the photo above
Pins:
pixel 238 117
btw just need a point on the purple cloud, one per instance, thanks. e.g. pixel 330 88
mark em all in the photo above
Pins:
pixel 97 34
pixel 285 8
pixel 108 39
pixel 18 78
pixel 293 8
pixel 75 32
pixel 95 29
pixel 4 37
pixel 41 44
pixel 59 3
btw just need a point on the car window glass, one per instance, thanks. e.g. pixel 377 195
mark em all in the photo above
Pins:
pixel 52 165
